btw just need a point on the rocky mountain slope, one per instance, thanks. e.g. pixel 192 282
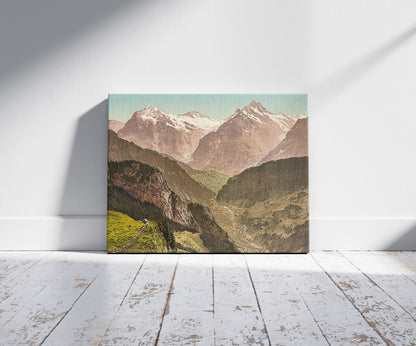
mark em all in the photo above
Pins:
pixel 147 184
pixel 242 140
pixel 295 143
pixel 121 201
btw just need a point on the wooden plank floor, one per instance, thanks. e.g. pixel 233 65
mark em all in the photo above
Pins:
pixel 91 298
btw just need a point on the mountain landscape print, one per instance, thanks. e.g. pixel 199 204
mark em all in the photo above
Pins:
pixel 207 173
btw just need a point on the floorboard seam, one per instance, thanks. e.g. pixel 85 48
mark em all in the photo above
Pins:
pixel 122 301
pixel 37 293
pixel 70 308
pixel 25 270
pixel 310 311
pixel 356 308
pixel 134 279
pixel 167 301
pixel 213 295
pixel 257 300
pixel 373 282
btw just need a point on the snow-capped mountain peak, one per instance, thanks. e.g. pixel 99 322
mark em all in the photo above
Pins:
pixel 185 122
pixel 256 112
pixel 255 107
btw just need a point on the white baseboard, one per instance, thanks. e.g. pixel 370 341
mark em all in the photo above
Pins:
pixel 363 234
pixel 89 233
pixel 54 233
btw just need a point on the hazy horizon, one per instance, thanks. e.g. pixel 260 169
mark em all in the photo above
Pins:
pixel 216 106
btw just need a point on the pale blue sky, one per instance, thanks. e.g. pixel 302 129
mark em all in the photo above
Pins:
pixel 217 106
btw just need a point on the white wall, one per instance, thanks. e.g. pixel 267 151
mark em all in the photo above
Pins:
pixel 60 59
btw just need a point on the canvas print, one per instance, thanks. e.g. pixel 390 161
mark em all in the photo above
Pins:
pixel 207 174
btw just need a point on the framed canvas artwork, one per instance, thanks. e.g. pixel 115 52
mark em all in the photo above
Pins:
pixel 207 173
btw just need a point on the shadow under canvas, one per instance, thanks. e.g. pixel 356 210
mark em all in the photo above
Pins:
pixel 84 197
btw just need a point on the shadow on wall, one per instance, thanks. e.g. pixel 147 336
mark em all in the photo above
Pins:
pixel 84 197
pixel 339 82
pixel 26 30
pixel 406 242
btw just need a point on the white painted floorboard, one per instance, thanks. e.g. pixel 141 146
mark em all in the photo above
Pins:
pixel 12 264
pixel 237 316
pixel 338 319
pixel 287 317
pixel 398 287
pixel 336 298
pixel 189 315
pixel 139 318
pixel 385 315
pixel 90 317
pixel 39 316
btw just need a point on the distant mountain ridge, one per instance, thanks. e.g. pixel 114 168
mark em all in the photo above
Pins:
pixel 295 143
pixel 115 125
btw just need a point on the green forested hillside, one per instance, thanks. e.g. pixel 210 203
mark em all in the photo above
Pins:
pixel 271 202
pixel 262 209
pixel 273 179
pixel 278 224
pixel 179 181
pixel 190 242
pixel 213 180
pixel 121 229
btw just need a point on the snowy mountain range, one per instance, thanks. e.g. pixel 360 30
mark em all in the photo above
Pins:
pixel 230 146
pixel 173 135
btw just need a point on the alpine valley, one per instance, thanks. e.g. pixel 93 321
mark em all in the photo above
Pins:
pixel 187 183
